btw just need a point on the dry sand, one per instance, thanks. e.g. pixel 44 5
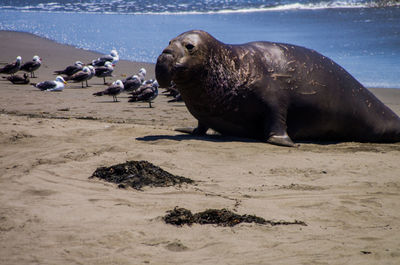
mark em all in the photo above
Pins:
pixel 51 213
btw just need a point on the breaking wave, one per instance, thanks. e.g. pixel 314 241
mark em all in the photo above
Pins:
pixel 187 6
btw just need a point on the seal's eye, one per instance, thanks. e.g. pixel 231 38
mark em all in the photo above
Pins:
pixel 189 46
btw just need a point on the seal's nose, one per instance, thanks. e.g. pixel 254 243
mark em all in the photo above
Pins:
pixel 164 67
pixel 174 49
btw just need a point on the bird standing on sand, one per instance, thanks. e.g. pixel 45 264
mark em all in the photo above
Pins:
pixel 103 71
pixel 32 66
pixel 142 74
pixel 92 73
pixel 131 83
pixel 56 85
pixel 177 98
pixel 101 61
pixel 11 68
pixel 70 70
pixel 81 76
pixel 172 91
pixel 146 93
pixel 17 79
pixel 114 90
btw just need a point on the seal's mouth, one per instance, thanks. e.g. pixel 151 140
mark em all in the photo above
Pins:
pixel 179 67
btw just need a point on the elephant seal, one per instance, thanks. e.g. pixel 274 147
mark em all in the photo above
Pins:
pixel 270 91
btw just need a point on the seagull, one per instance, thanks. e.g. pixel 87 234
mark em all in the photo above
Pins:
pixel 103 71
pixel 131 83
pixel 142 74
pixel 92 73
pixel 11 68
pixel 134 81
pixel 32 66
pixel 70 70
pixel 177 98
pixel 81 76
pixel 147 93
pixel 172 91
pixel 17 79
pixel 56 85
pixel 148 82
pixel 114 90
pixel 112 58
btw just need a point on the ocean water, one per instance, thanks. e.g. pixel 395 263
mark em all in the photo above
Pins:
pixel 361 35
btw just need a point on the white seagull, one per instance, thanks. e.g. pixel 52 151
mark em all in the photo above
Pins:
pixel 56 85
pixel 112 58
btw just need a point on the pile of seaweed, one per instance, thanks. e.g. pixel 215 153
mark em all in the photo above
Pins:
pixel 223 217
pixel 137 174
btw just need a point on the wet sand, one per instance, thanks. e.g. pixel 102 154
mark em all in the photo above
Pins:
pixel 348 194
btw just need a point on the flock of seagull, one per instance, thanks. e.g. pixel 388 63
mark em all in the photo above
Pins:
pixel 140 89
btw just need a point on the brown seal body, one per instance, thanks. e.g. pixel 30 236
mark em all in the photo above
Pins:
pixel 273 92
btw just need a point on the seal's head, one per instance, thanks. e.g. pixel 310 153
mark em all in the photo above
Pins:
pixel 183 58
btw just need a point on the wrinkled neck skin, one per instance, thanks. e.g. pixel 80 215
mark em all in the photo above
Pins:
pixel 221 77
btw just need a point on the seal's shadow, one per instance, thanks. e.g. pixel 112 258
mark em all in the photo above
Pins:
pixel 221 139
pixel 186 137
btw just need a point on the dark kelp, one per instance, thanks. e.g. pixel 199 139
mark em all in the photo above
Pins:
pixel 137 174
pixel 223 217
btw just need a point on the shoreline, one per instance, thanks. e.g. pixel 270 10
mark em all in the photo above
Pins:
pixel 64 44
pixel 51 212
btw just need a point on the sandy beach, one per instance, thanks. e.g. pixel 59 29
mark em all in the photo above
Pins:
pixel 348 194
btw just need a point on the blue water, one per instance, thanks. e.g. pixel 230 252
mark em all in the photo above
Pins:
pixel 361 37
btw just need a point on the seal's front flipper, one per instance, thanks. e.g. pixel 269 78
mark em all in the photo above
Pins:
pixel 200 130
pixel 281 140
pixel 275 125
